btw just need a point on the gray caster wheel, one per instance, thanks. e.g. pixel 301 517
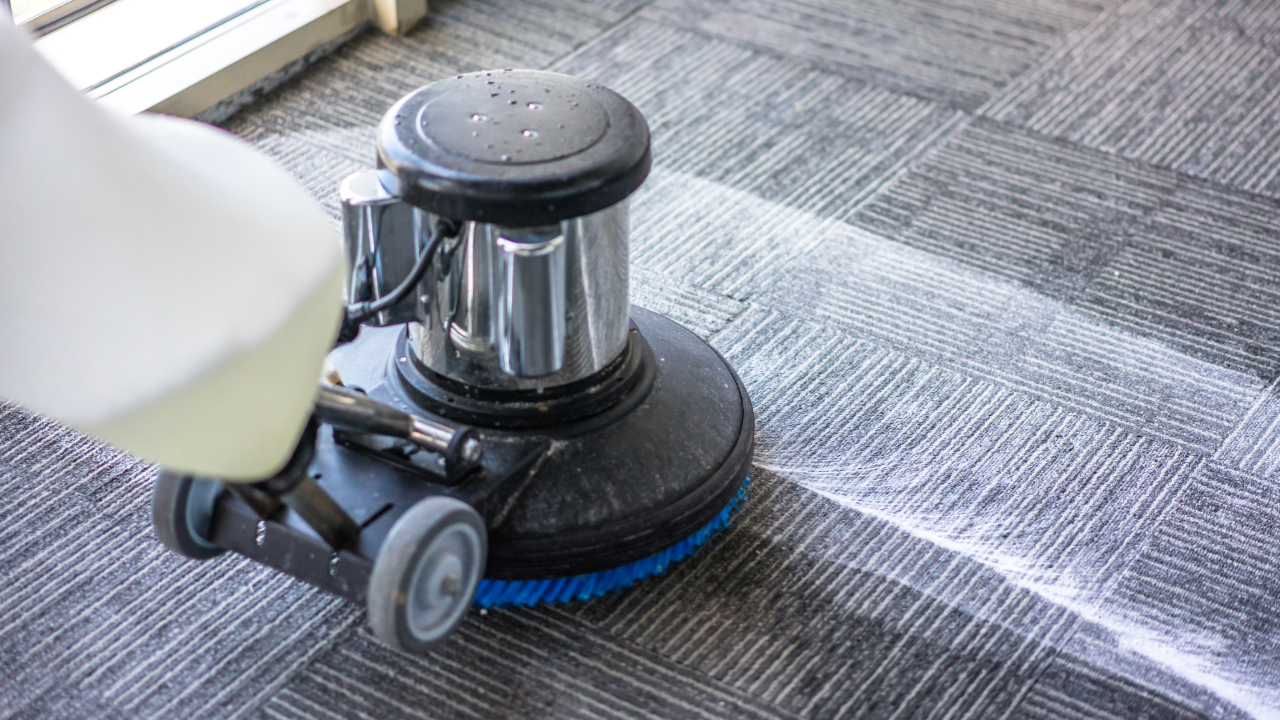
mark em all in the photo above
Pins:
pixel 426 574
pixel 181 510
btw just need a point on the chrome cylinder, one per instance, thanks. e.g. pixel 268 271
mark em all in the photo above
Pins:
pixel 530 335
pixel 502 308
pixel 524 308
pixel 382 236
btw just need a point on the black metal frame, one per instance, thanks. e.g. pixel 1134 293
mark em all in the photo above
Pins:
pixel 324 517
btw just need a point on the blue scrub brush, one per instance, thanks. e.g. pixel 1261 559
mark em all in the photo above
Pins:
pixel 499 593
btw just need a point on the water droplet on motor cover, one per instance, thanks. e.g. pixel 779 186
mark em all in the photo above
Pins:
pixel 511 102
pixel 474 134
pixel 535 106
pixel 479 117
pixel 506 157
pixel 530 133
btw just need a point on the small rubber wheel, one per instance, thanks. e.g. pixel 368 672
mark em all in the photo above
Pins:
pixel 426 574
pixel 181 513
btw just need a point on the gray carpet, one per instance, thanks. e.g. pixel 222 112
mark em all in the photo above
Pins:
pixel 1003 279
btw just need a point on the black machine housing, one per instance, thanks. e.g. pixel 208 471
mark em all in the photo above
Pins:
pixel 568 497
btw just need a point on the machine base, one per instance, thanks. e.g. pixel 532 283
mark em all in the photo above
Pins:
pixel 558 501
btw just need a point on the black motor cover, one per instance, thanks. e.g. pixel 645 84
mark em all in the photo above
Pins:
pixel 513 147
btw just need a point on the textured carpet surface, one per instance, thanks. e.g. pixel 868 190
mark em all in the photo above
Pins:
pixel 1003 279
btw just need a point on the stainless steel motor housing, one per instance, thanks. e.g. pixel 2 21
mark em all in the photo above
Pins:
pixel 537 167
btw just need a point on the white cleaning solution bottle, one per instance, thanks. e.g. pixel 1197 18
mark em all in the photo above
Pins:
pixel 162 285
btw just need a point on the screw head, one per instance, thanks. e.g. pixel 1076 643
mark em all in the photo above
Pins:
pixel 471 450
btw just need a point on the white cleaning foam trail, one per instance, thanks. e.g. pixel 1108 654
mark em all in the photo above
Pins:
pixel 987 419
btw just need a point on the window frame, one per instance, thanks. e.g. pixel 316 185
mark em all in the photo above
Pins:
pixel 43 22
pixel 212 73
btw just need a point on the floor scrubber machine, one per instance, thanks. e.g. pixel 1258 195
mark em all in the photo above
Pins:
pixel 498 425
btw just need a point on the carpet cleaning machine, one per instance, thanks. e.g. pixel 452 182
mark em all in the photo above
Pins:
pixel 497 424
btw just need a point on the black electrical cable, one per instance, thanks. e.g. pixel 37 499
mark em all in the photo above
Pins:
pixel 357 313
